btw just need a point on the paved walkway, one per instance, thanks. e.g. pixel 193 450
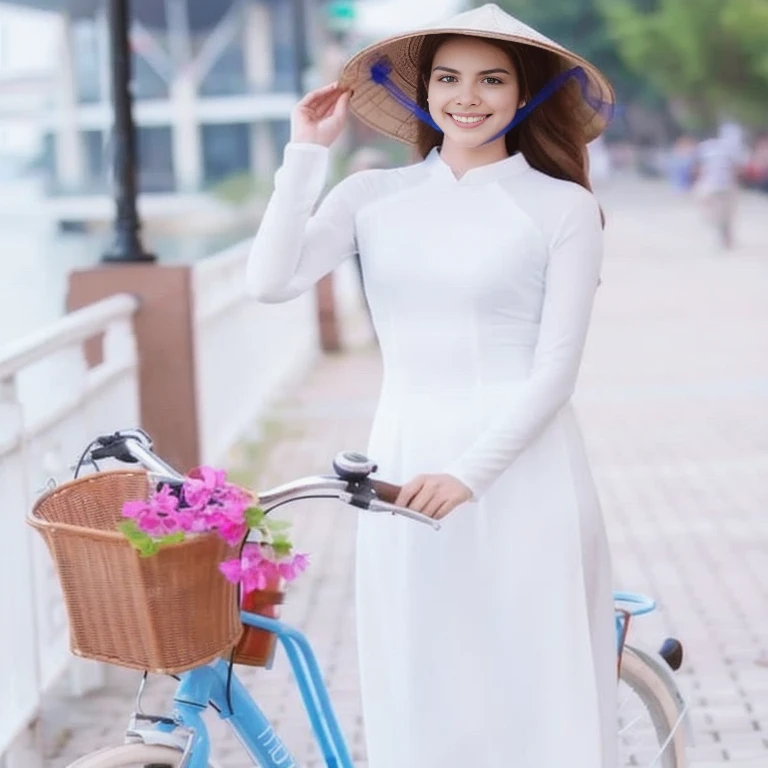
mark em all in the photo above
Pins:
pixel 674 403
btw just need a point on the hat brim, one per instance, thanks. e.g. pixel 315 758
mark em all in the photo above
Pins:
pixel 373 105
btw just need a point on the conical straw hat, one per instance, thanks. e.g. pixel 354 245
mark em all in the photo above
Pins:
pixel 374 105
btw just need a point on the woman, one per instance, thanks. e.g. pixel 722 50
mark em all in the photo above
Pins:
pixel 490 643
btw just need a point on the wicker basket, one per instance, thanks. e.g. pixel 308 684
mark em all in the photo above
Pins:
pixel 166 613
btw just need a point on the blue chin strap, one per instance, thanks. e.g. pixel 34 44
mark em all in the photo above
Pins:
pixel 382 69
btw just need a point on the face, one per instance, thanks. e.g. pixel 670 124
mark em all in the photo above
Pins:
pixel 473 90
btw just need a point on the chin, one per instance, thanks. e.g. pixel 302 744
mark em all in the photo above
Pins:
pixel 468 139
pixel 471 138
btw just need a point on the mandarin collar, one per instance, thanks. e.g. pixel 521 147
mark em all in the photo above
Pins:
pixel 482 174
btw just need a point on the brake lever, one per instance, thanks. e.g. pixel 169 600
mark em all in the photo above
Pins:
pixel 373 504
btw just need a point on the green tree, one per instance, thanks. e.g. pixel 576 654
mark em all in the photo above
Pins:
pixel 580 26
pixel 710 56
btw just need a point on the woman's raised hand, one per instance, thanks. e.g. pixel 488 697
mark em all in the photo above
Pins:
pixel 319 117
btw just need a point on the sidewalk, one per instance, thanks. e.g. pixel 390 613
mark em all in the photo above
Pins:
pixel 674 403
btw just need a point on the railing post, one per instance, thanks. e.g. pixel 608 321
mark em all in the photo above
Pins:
pixel 164 330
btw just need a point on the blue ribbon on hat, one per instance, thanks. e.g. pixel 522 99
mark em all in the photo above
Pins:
pixel 382 69
pixel 380 72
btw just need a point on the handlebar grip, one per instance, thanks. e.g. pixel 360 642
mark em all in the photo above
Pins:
pixel 386 491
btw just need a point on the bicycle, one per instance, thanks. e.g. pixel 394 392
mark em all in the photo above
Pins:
pixel 179 739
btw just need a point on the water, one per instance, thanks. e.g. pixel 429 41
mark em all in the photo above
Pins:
pixel 36 259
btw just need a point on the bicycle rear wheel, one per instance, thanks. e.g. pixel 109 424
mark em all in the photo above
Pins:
pixel 649 718
pixel 131 756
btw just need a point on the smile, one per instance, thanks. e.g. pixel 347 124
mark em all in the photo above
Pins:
pixel 469 122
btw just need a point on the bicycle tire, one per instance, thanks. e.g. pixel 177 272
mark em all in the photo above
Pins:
pixel 131 756
pixel 665 714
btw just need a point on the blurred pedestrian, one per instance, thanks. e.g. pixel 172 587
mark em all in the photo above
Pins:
pixel 491 643
pixel 719 161
pixel 681 165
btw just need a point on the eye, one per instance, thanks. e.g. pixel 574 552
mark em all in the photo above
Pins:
pixel 446 78
pixel 492 81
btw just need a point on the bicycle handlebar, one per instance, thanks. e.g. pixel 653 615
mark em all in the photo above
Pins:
pixel 355 488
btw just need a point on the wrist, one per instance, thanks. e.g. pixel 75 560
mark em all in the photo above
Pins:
pixel 300 137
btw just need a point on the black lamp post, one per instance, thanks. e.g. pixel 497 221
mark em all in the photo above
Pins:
pixel 299 45
pixel 126 246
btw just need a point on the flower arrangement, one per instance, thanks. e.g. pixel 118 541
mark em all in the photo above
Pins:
pixel 207 503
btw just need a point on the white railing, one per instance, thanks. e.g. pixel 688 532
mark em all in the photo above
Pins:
pixel 51 403
pixel 244 351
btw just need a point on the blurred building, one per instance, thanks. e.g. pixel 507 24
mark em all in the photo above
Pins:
pixel 213 84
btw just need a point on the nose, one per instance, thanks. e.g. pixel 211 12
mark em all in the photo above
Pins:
pixel 467 96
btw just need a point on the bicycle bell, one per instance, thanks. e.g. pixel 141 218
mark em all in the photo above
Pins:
pixel 350 465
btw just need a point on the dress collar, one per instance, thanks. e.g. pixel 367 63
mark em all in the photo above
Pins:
pixel 482 174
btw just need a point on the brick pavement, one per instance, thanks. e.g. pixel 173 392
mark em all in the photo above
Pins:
pixel 674 403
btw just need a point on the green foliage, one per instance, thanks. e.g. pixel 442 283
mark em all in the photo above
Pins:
pixel 580 26
pixel 274 532
pixel 711 55
pixel 143 543
pixel 281 545
pixel 254 517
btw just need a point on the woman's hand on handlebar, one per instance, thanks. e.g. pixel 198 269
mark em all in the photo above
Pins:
pixel 433 495
pixel 320 116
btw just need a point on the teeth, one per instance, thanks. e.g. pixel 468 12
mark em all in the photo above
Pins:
pixel 467 119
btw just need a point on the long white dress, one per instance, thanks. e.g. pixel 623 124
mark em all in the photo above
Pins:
pixel 489 643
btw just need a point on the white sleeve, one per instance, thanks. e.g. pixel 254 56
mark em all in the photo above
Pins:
pixel 572 277
pixel 293 249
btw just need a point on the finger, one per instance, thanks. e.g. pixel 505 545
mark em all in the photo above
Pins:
pixel 317 94
pixel 323 110
pixel 422 499
pixel 336 105
pixel 341 105
pixel 320 99
pixel 408 491
pixel 444 509
pixel 338 114
pixel 435 504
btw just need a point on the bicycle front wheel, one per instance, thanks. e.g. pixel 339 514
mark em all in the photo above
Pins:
pixel 131 756
pixel 651 733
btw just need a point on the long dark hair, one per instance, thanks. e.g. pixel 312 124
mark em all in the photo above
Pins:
pixel 551 138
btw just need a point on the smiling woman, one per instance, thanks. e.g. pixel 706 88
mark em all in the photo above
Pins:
pixel 492 643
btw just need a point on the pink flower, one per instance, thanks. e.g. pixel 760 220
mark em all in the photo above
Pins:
pixel 200 485
pixel 163 501
pixel 232 570
pixel 210 504
pixel 156 524
pixel 290 569
pixel 232 532
pixel 253 579
pixel 134 509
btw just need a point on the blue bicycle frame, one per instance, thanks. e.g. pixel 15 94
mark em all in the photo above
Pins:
pixel 209 685
pixel 213 684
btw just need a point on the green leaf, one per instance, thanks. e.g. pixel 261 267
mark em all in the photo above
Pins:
pixel 282 547
pixel 143 543
pixel 139 540
pixel 274 526
pixel 254 517
pixel 171 538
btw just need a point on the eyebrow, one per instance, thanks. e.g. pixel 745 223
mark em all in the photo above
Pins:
pixel 484 72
